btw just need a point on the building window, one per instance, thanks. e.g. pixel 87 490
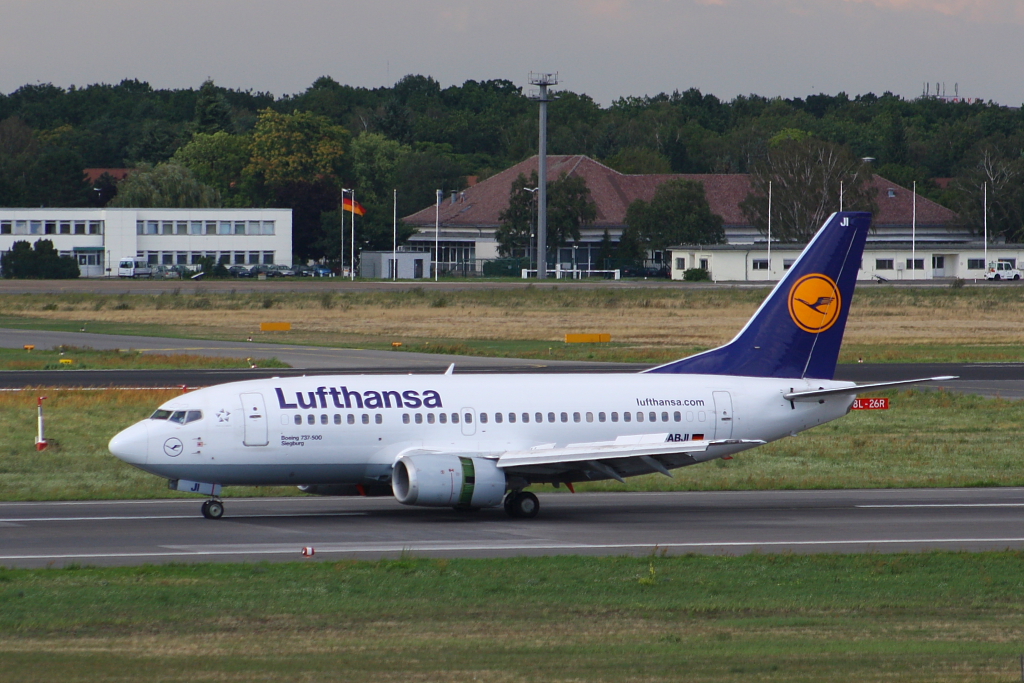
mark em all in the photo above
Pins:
pixel 79 227
pixel 975 264
pixel 153 258
pixel 211 227
pixel 239 258
pixel 182 258
pixel 181 228
pixel 6 228
pixel 239 227
pixel 883 264
pixel 704 264
pixel 152 227
pixel 268 227
pixel 915 264
pixel 167 258
pixel 196 256
pixel 938 262
pixel 254 258
pixel 681 263
pixel 253 228
pixel 268 258
pixel 140 227
pixel 760 264
pixel 95 227
pixel 50 228
pixel 787 263
pixel 167 228
pixel 65 227
pixel 225 258
pixel 35 227
pixel 224 228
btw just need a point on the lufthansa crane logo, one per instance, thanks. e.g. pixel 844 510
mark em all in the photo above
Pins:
pixel 815 303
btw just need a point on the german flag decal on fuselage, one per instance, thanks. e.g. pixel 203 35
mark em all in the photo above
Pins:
pixel 815 303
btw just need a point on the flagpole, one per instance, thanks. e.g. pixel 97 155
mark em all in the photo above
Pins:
pixel 913 235
pixel 394 234
pixel 341 263
pixel 352 256
pixel 437 224
pixel 985 220
pixel 769 230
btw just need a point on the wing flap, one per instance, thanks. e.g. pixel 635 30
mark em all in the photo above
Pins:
pixel 624 447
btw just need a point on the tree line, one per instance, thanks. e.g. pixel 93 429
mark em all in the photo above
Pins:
pixel 216 146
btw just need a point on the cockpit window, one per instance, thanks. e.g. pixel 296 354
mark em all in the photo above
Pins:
pixel 160 414
pixel 193 415
pixel 178 416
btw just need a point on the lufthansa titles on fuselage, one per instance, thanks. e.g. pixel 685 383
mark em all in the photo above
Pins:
pixel 343 397
pixel 670 402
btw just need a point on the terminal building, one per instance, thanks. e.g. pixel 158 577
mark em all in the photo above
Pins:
pixel 99 238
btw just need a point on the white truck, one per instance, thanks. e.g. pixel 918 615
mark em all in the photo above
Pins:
pixel 134 267
pixel 1002 270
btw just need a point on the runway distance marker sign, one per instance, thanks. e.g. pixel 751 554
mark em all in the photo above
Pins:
pixel 871 404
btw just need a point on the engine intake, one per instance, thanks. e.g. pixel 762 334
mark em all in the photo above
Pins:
pixel 448 481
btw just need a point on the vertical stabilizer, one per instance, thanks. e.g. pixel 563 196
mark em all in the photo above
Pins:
pixel 799 328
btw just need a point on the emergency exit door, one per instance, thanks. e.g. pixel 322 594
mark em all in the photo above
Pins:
pixel 254 416
pixel 723 414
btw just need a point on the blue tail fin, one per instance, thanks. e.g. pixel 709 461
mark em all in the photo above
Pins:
pixel 798 329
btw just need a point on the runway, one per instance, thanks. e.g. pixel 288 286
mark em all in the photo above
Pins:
pixel 276 529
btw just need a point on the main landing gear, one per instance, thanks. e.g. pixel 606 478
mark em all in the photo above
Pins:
pixel 213 509
pixel 521 504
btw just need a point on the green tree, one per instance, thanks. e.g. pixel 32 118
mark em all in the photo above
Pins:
pixel 569 209
pixel 677 214
pixel 296 148
pixel 164 186
pixel 39 261
pixel 997 167
pixel 517 219
pixel 213 112
pixel 639 160
pixel 219 160
pixel 805 176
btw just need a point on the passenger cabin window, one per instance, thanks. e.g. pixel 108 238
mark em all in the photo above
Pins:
pixel 443 417
pixel 483 418
pixel 565 417
pixel 512 417
pixel 615 417
pixel 626 417
pixel 323 419
pixel 378 418
pixel 468 418
pixel 351 419
pixel 405 418
pixel 419 418
pixel 366 418
pixel 298 419
pixel 310 419
pixel 430 418
pixel 600 417
pixel 337 419
pixel 498 417
pixel 551 417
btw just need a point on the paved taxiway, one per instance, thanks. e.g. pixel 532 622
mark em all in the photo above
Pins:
pixel 276 529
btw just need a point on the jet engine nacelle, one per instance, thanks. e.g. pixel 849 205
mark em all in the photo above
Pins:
pixel 448 481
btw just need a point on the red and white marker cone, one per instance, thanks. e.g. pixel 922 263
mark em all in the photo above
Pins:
pixel 40 436
pixel 308 551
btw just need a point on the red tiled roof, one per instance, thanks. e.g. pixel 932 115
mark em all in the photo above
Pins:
pixel 94 174
pixel 612 192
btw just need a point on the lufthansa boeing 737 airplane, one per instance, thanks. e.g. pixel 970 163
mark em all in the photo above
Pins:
pixel 474 441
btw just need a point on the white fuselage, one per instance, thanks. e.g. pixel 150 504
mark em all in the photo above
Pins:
pixel 350 429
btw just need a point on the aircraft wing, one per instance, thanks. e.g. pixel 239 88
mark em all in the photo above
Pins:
pixel 815 394
pixel 637 446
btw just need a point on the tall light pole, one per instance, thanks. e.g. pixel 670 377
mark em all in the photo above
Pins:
pixel 394 235
pixel 913 234
pixel 769 230
pixel 533 199
pixel 543 81
pixel 984 211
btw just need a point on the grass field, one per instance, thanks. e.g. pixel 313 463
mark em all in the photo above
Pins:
pixel 647 325
pixel 927 439
pixel 78 358
pixel 906 617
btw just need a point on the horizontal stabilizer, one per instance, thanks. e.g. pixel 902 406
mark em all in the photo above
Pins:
pixel 815 394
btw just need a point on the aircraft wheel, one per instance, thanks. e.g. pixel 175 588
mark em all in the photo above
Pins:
pixel 213 509
pixel 525 505
pixel 507 503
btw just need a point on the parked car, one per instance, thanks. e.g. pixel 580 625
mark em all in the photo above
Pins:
pixel 302 270
pixel 283 271
pixel 164 273
pixel 265 270
pixel 320 271
pixel 239 271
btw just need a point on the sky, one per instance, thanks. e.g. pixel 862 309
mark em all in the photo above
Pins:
pixel 604 48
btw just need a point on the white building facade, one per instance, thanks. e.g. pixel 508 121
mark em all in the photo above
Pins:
pixel 99 238
pixel 882 260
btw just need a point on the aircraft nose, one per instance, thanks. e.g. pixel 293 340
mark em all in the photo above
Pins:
pixel 132 444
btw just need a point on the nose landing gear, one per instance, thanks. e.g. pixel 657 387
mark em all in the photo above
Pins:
pixel 213 509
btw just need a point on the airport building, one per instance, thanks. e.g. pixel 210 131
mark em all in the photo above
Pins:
pixel 938 244
pixel 99 238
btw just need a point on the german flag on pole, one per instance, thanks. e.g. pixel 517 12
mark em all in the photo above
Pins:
pixel 352 207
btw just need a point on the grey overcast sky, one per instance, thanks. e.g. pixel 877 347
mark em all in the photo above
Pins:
pixel 604 48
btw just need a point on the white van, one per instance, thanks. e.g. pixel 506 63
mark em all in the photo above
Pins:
pixel 137 267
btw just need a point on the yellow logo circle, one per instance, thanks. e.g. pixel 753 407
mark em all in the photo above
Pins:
pixel 815 303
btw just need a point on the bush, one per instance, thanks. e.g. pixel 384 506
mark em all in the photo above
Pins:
pixel 505 267
pixel 40 262
pixel 696 275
